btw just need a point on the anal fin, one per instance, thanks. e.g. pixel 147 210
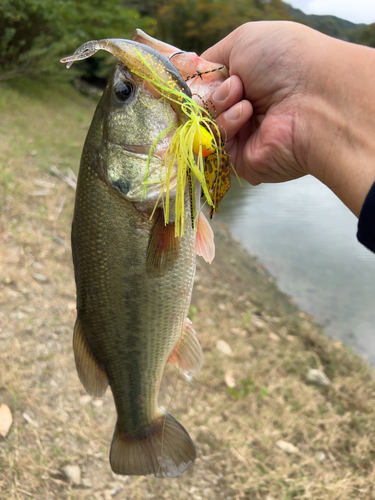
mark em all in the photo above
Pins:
pixel 91 374
pixel 163 247
pixel 205 245
pixel 187 354
pixel 165 449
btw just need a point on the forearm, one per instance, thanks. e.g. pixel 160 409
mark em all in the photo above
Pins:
pixel 338 120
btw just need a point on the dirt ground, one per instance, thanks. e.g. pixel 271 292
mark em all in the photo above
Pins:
pixel 261 428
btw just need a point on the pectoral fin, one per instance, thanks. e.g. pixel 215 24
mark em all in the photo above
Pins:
pixel 163 247
pixel 205 245
pixel 91 374
pixel 187 354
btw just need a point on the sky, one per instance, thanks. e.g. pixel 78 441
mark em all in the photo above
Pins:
pixel 357 11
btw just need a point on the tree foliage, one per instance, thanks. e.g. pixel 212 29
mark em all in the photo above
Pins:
pixel 34 34
pixel 368 36
pixel 194 25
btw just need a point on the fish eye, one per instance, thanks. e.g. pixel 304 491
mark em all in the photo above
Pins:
pixel 124 90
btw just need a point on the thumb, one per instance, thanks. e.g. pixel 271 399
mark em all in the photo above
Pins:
pixel 220 52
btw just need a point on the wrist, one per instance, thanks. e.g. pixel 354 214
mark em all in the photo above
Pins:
pixel 337 135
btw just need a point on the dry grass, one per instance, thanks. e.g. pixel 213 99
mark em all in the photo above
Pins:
pixel 273 346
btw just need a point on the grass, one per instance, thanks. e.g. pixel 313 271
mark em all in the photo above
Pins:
pixel 236 431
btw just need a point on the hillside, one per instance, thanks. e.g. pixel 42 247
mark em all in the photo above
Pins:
pixel 330 25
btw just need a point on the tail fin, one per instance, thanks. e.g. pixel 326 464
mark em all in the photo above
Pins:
pixel 165 450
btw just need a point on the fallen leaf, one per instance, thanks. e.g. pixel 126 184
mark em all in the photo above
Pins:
pixel 223 347
pixel 286 446
pixel 318 377
pixel 30 420
pixel 6 419
pixel 229 379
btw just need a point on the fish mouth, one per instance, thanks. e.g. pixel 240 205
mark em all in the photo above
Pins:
pixel 148 184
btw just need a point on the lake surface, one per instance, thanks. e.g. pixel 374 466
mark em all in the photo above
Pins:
pixel 306 238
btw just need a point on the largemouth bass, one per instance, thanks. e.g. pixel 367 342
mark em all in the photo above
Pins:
pixel 134 277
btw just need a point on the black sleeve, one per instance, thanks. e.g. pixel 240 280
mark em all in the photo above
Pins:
pixel 366 221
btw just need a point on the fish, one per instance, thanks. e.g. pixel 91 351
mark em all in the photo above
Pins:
pixel 134 277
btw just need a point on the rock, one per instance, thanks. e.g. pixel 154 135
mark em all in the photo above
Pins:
pixel 288 447
pixel 320 455
pixel 116 490
pixel 318 377
pixel 97 402
pixel 6 420
pixel 86 483
pixel 223 347
pixel 73 474
pixel 274 337
pixel 257 322
pixel 84 400
pixel 41 278
pixel 239 331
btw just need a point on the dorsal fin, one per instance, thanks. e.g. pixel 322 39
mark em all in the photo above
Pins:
pixel 91 374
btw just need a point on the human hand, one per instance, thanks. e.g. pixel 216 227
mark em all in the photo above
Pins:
pixel 312 107
pixel 273 69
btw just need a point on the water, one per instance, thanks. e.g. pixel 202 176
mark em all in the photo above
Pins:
pixel 306 238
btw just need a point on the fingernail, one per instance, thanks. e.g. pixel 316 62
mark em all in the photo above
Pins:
pixel 234 113
pixel 222 92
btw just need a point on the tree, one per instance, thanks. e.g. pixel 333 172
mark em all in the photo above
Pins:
pixel 368 36
pixel 35 34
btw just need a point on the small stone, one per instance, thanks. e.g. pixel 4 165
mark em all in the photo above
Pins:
pixel 116 490
pixel 97 402
pixel 41 278
pixel 239 331
pixel 318 377
pixel 84 400
pixel 320 455
pixel 257 322
pixel 223 347
pixel 286 446
pixel 72 473
pixel 86 483
pixel 274 337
